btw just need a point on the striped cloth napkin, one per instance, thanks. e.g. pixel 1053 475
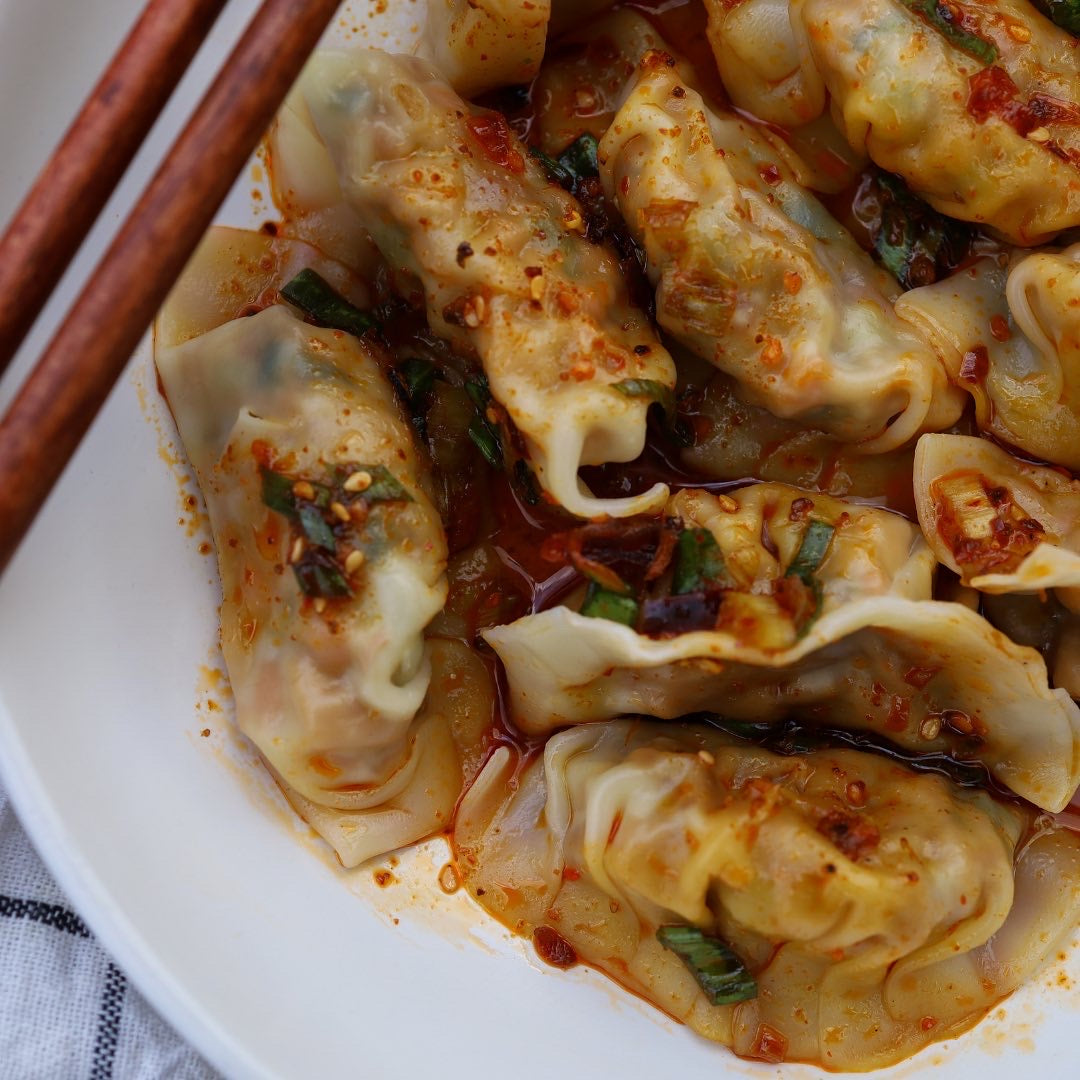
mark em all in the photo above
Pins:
pixel 67 1012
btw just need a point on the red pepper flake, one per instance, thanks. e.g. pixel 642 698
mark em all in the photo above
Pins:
pixel 768 1045
pixel 770 174
pixel 493 134
pixel 553 948
pixel 919 677
pixel 928 1023
pixel 899 712
pixel 800 508
pixel 976 364
pixel 570 874
pixel 999 327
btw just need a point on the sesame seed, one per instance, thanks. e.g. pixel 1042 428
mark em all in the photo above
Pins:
pixel 575 222
pixel 1039 135
pixel 1019 33
pixel 354 561
pixel 339 511
pixel 358 481
pixel 297 550
pixel 537 286
pixel 727 503
pixel 320 605
pixel 930 728
pixel 706 757
pixel 303 490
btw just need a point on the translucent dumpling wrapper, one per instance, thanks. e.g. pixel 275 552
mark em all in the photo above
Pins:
pixel 332 563
pixel 878 909
pixel 483 44
pixel 753 274
pixel 876 653
pixel 757 53
pixel 1011 332
pixel 980 116
pixel 1002 524
pixel 455 202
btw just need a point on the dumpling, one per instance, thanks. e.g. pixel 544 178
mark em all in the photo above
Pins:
pixel 980 116
pixel 778 603
pixel 758 56
pixel 459 207
pixel 864 909
pixel 1000 523
pixel 332 562
pixel 753 274
pixel 1012 335
pixel 479 45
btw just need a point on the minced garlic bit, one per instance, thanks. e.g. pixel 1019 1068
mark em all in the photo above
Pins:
pixel 354 561
pixel 358 481
pixel 475 311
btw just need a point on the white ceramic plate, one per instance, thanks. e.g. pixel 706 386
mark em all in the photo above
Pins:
pixel 177 851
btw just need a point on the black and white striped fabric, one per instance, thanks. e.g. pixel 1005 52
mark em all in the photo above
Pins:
pixel 67 1012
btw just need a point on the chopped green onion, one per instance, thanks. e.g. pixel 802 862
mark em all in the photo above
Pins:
pixel 487 442
pixel 314 295
pixel 321 578
pixel 663 395
pixel 1064 13
pixel 277 492
pixel 556 173
pixel 525 482
pixel 699 562
pixel 314 526
pixel 719 972
pixel 811 553
pixel 603 604
pixel 385 486
pixel 945 18
pixel 581 158
pixel 417 377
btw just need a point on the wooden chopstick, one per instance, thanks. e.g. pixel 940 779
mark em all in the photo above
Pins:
pixel 71 381
pixel 76 183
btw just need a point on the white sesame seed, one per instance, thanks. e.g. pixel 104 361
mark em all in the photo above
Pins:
pixel 339 511
pixel 320 605
pixel 358 481
pixel 297 550
pixel 354 561
pixel 1039 135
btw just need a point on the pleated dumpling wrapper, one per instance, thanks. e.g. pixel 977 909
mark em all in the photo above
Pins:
pixel 872 909
pixel 781 603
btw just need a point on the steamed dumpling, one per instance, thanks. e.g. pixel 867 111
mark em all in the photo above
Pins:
pixel 753 275
pixel 848 637
pixel 467 219
pixel 877 908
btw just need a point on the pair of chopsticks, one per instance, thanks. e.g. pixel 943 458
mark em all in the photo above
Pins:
pixel 62 395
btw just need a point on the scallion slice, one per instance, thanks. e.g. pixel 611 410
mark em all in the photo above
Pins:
pixel 719 972
pixel 946 19
pixel 601 603
pixel 316 297
pixel 699 563
pixel 812 551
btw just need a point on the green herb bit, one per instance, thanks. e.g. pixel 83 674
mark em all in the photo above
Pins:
pixel 582 157
pixel 811 553
pixel 719 972
pixel 487 442
pixel 479 392
pixel 314 526
pixel 418 377
pixel 320 577
pixel 663 395
pixel 314 295
pixel 1063 13
pixel 948 19
pixel 601 603
pixel 556 173
pixel 384 486
pixel 525 482
pixel 699 563
pixel 277 492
